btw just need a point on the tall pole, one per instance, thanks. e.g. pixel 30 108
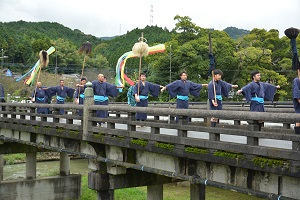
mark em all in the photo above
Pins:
pixel 169 119
pixel 170 70
pixel 56 65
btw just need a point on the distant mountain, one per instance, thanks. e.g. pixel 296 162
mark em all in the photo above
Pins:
pixel 236 33
pixel 108 38
pixel 52 30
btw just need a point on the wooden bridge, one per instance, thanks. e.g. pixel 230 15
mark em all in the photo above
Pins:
pixel 248 152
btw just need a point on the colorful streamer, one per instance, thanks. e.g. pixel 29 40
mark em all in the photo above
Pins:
pixel 121 77
pixel 34 70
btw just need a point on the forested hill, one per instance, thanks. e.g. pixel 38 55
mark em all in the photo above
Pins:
pixel 236 33
pixel 51 30
pixel 23 40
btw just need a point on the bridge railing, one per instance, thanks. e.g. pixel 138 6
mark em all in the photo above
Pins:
pixel 189 129
pixel 254 139
pixel 25 114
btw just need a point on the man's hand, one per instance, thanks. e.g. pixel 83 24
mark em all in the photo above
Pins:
pixel 163 88
pixel 137 98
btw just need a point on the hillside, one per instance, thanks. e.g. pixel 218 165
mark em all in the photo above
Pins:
pixel 236 33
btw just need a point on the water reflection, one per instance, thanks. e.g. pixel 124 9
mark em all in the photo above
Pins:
pixel 48 168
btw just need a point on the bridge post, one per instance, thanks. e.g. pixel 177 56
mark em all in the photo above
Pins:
pixel 253 125
pixel 88 100
pixel 155 192
pixel 131 117
pixel 155 130
pixel 31 165
pixel 182 120
pixel 64 164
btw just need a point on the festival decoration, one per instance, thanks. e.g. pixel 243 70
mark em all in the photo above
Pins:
pixel 212 65
pixel 121 77
pixel 35 68
pixel 85 48
pixel 292 34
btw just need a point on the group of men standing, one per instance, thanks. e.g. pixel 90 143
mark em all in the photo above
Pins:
pixel 255 93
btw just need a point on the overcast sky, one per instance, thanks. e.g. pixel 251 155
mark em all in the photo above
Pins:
pixel 115 17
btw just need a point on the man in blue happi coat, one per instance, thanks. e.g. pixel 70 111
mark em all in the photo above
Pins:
pixel 102 90
pixel 79 94
pixel 216 89
pixel 61 92
pixel 141 91
pixel 256 92
pixel 40 96
pixel 181 89
pixel 296 101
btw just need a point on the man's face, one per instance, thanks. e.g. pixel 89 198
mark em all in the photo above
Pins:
pixel 83 82
pixel 256 77
pixel 39 84
pixel 218 77
pixel 143 77
pixel 62 83
pixel 183 76
pixel 101 77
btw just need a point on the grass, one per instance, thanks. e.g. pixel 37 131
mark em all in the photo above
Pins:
pixel 171 192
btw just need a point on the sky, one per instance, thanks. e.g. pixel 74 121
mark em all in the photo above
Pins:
pixel 103 18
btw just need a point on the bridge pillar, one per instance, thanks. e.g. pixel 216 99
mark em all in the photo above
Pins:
pixel 197 192
pixel 31 165
pixel 64 164
pixel 1 167
pixel 88 100
pixel 155 192
pixel 105 195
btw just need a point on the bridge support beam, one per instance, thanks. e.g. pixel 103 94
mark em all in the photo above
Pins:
pixel 64 164
pixel 155 192
pixel 31 165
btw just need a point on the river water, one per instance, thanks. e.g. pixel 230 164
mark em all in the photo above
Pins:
pixel 47 168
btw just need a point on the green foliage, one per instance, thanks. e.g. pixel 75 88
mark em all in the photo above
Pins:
pixel 236 52
pixel 195 150
pixel 270 162
pixel 165 145
pixel 140 142
pixel 13 158
pixel 226 154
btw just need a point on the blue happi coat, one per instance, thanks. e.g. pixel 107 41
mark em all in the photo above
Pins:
pixel 61 94
pixel 256 93
pixel 79 93
pixel 181 89
pixel 144 90
pixel 296 94
pixel 102 90
pixel 222 89
pixel 40 96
